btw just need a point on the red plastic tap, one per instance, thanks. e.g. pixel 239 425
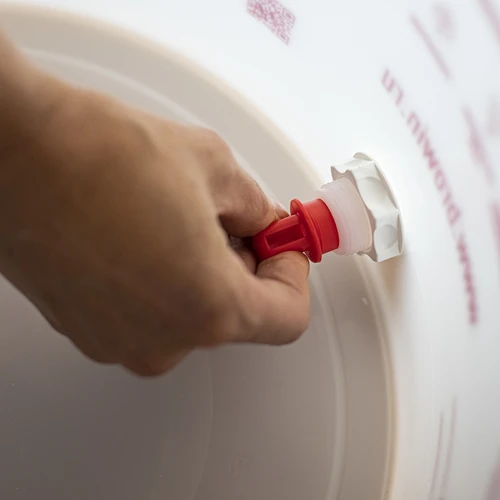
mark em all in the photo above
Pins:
pixel 310 229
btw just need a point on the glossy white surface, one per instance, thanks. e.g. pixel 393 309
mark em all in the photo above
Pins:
pixel 414 84
pixel 305 421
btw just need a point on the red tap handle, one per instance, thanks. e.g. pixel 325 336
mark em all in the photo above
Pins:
pixel 310 229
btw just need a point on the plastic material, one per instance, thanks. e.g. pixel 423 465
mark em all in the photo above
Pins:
pixel 356 213
pixel 244 423
pixel 393 393
pixel 377 215
pixel 343 200
pixel 311 229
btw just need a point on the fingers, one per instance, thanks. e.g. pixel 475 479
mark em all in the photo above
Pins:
pixel 273 305
pixel 275 302
pixel 242 206
pixel 244 209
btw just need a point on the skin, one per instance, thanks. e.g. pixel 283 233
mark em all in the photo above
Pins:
pixel 115 223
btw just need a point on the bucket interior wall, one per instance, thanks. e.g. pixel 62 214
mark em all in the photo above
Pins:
pixel 393 392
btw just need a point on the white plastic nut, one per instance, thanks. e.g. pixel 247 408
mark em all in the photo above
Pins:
pixel 366 214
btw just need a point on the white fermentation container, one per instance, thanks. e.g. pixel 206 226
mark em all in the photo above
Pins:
pixel 394 391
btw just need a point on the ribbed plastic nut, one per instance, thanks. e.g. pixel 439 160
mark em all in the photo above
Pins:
pixel 381 208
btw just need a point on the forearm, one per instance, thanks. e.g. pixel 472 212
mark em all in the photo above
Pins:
pixel 27 100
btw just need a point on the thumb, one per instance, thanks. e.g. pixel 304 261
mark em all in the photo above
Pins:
pixel 275 303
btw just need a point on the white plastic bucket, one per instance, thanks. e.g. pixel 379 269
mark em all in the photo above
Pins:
pixel 393 393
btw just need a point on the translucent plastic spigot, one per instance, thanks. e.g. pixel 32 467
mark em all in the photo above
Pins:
pixel 355 213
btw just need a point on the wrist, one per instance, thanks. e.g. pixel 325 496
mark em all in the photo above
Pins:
pixel 27 101
pixel 30 104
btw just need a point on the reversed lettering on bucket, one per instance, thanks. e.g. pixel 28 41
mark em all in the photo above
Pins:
pixel 492 15
pixel 452 209
pixel 274 15
pixel 431 46
pixel 444 453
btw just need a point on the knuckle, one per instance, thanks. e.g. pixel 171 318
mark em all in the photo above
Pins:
pixel 258 202
pixel 212 147
pixel 210 138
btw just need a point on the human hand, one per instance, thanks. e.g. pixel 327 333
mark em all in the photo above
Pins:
pixel 115 224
